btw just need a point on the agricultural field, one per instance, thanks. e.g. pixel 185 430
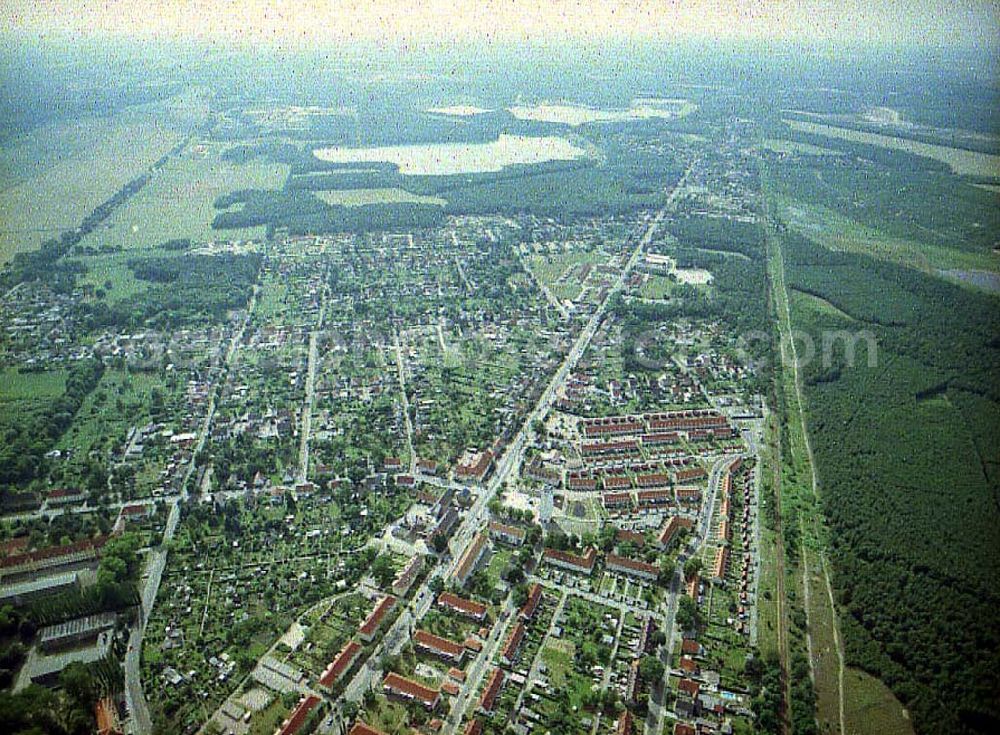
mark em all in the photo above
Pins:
pixel 179 201
pixel 238 578
pixel 893 205
pixel 44 194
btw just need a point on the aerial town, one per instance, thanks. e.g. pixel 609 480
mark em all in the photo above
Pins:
pixel 483 391
pixel 412 483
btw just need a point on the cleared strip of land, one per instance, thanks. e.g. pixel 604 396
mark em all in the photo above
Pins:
pixel 837 232
pixel 391 195
pixel 962 162
pixel 873 710
pixel 780 145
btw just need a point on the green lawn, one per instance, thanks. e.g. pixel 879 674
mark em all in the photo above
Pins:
pixel 111 274
pixel 550 267
pixel 498 563
pixel 268 719
pixel 18 386
pixel 656 287
pixel 558 657
pixel 389 717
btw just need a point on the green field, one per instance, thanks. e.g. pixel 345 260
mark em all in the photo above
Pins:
pixel 179 201
pixel 558 656
pixel 42 195
pixel 269 719
pixel 498 563
pixel 18 386
pixel 656 287
pixel 389 717
pixel 111 274
pixel 550 267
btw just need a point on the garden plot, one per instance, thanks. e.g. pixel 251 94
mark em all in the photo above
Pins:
pixel 123 400
pixel 238 576
pixel 575 664
pixel 326 630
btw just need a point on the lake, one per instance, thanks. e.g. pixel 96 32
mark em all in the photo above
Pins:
pixel 442 159
pixel 573 115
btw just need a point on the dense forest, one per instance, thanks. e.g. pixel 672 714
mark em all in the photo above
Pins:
pixel 299 212
pixel 907 453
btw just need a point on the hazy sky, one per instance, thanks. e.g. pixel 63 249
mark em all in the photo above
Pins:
pixel 921 22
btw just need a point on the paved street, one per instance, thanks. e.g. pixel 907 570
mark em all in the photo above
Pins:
pixel 481 666
pixel 305 432
pixel 401 370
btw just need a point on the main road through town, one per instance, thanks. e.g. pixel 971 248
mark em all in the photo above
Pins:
pixel 511 458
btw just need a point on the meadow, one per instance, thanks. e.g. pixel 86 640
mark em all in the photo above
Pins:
pixel 179 201
pixel 43 194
